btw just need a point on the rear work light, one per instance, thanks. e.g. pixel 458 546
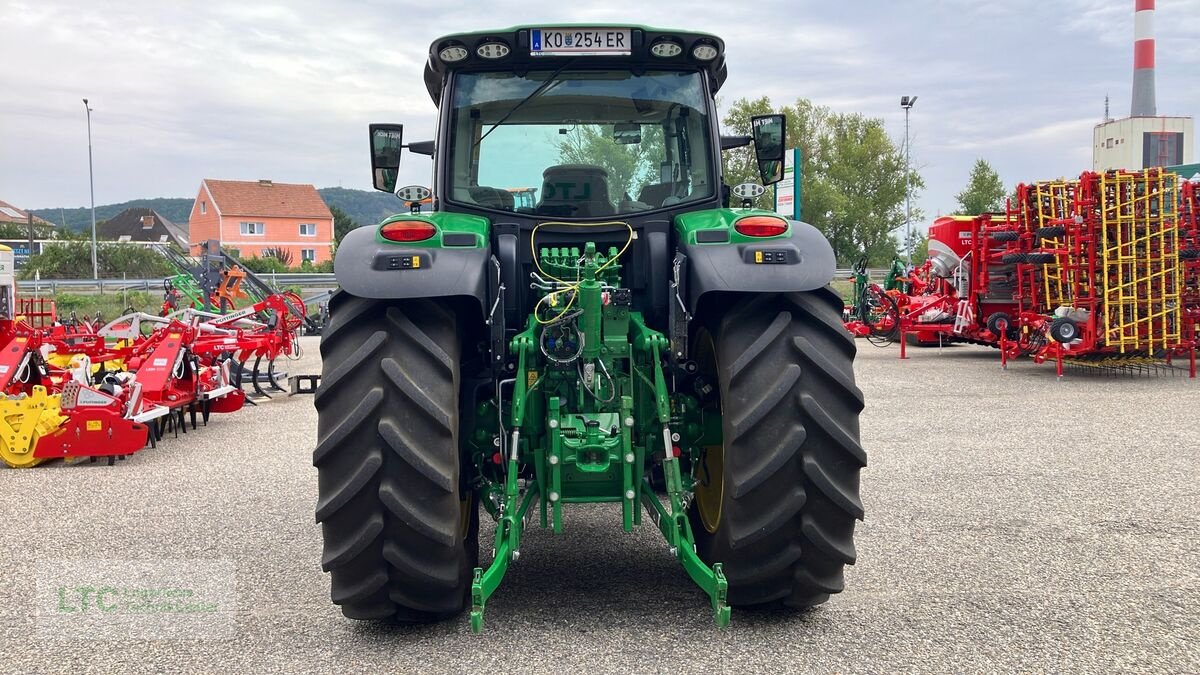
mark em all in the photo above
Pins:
pixel 407 230
pixel 453 53
pixel 761 226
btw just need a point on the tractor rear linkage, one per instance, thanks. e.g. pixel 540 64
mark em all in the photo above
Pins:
pixel 511 503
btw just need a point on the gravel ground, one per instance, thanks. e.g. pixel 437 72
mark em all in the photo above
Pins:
pixel 1014 522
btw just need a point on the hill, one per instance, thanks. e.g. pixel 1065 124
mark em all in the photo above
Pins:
pixel 175 209
pixel 363 206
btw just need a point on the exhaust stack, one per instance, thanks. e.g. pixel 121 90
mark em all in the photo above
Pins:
pixel 1143 60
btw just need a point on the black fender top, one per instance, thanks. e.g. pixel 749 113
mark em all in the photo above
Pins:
pixel 802 262
pixel 369 268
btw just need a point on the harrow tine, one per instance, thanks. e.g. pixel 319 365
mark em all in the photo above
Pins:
pixel 192 412
pixel 238 370
pixel 254 379
pixel 182 421
pixel 271 376
pixel 205 410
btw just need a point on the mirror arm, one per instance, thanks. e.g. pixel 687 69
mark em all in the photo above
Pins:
pixel 731 142
pixel 421 148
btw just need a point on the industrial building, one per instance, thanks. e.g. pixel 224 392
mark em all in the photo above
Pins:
pixel 1144 139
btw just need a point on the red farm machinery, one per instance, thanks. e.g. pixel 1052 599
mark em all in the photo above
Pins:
pixel 76 389
pixel 1099 272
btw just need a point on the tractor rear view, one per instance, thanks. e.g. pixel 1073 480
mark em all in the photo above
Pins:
pixel 631 332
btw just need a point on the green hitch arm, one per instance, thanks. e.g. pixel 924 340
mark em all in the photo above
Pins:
pixel 508 550
pixel 513 508
pixel 521 345
pixel 678 534
pixel 647 340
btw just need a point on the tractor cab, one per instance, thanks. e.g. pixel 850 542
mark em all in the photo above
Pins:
pixel 609 125
pixel 609 122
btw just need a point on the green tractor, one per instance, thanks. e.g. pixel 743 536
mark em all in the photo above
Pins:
pixel 638 335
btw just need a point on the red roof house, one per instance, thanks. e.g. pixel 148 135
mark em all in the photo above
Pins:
pixel 253 217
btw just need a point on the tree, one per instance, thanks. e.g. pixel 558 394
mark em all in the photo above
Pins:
pixel 342 224
pixel 630 167
pixel 852 176
pixel 984 192
pixel 41 230
pixel 71 258
pixel 920 247
pixel 264 265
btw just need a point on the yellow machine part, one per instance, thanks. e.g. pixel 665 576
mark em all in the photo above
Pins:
pixel 24 420
pixel 1055 201
pixel 1143 277
pixel 64 361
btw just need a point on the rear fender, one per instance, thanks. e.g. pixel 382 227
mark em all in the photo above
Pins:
pixel 371 267
pixel 720 259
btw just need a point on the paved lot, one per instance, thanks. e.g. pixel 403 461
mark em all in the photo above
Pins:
pixel 1015 522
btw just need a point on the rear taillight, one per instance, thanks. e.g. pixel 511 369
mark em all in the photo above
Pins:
pixel 761 226
pixel 407 230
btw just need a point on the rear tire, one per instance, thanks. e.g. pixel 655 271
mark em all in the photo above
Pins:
pixel 791 457
pixel 400 531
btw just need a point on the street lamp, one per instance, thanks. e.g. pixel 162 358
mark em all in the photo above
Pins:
pixel 907 102
pixel 92 188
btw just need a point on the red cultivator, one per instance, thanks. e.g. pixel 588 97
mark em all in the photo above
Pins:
pixel 76 391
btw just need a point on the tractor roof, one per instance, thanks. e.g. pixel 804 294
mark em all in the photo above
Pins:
pixel 519 56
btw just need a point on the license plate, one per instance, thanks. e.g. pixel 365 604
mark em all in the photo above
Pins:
pixel 580 41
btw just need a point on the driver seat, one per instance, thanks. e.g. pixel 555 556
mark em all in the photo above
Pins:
pixel 575 191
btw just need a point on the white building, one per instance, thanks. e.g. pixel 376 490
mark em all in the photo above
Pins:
pixel 1141 142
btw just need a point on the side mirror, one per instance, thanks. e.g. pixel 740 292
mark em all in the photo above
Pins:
pixel 386 142
pixel 770 136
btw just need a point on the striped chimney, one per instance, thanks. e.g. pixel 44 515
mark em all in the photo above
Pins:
pixel 1143 60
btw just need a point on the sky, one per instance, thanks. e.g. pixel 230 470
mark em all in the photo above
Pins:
pixel 183 91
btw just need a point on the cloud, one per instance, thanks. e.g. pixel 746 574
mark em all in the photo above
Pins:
pixel 285 90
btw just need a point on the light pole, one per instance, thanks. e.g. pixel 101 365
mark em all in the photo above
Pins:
pixel 92 189
pixel 907 102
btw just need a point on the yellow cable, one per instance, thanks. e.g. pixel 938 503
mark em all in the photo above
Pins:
pixel 572 287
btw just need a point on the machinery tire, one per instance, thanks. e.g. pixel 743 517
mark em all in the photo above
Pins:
pixel 1063 330
pixel 1040 258
pixel 1001 322
pixel 1012 258
pixel 400 529
pixel 791 455
pixel 1005 236
pixel 1051 232
pixel 1189 254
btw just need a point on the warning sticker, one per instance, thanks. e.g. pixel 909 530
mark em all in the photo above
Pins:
pixel 162 363
pixel 95 425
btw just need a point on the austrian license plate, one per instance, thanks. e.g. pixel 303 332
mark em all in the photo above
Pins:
pixel 580 41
